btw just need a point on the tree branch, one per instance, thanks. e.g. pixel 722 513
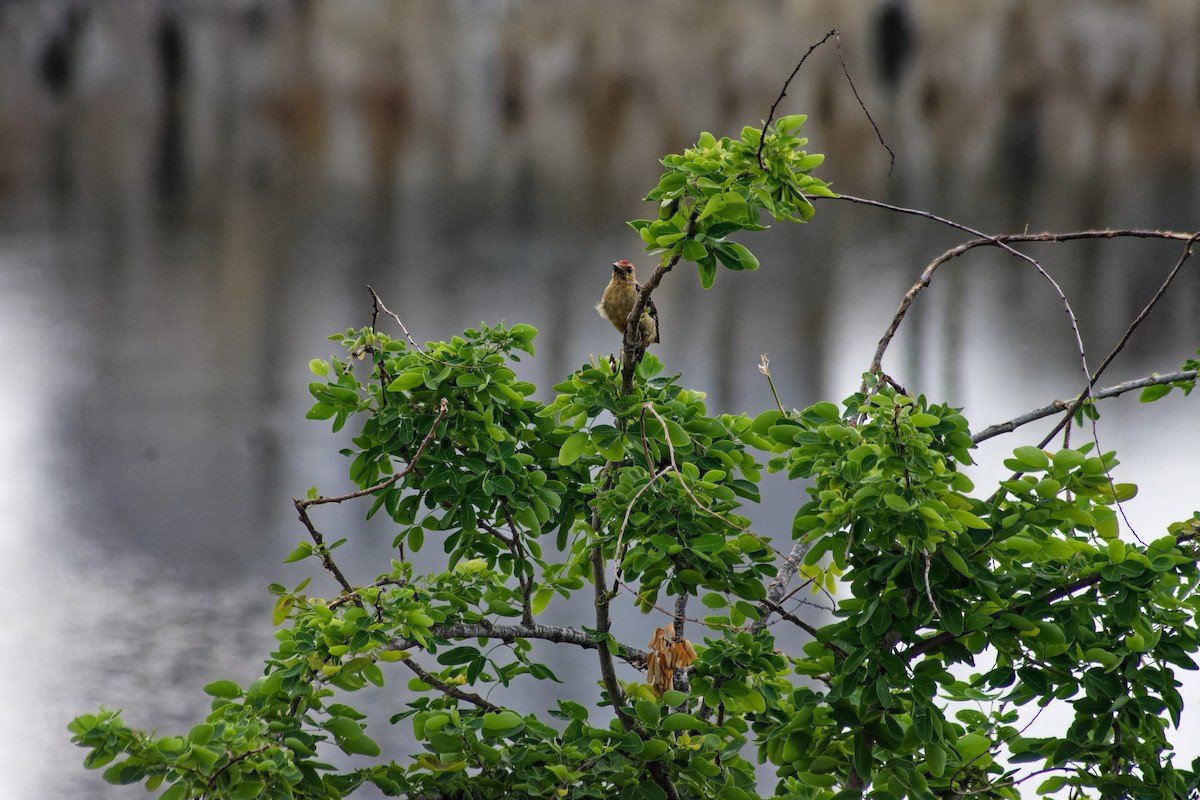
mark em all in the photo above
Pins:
pixel 791 565
pixel 447 689
pixel 302 505
pixel 443 407
pixel 1145 312
pixel 1060 405
pixel 633 656
pixel 1004 242
pixel 783 93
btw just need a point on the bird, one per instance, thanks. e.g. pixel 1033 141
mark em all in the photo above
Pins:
pixel 619 298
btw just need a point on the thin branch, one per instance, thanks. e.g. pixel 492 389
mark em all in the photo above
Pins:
pixel 804 626
pixel 603 625
pixel 783 93
pixel 212 781
pixel 791 565
pixel 352 597
pixel 327 561
pixel 671 467
pixel 523 578
pixel 447 689
pixel 764 366
pixel 1060 405
pixel 1002 241
pixel 862 105
pixel 378 305
pixel 302 505
pixel 997 241
pixel 634 656
pixel 928 588
pixel 1145 312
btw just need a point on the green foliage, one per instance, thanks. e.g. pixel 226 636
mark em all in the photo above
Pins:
pixel 722 186
pixel 957 611
pixel 1158 391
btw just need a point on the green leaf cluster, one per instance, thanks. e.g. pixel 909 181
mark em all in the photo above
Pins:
pixel 722 186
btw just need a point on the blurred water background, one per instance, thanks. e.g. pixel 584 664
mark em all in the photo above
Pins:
pixel 193 195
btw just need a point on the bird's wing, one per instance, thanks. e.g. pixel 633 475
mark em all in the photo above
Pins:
pixel 653 311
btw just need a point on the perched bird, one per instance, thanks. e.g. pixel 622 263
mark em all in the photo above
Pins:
pixel 618 300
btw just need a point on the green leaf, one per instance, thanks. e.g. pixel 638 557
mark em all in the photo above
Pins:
pixel 957 561
pixel 681 722
pixel 694 251
pixel 747 259
pixel 1032 458
pixel 541 599
pixel 652 750
pixel 1106 522
pixel 708 272
pixel 200 734
pixel 409 379
pixel 283 607
pixel 177 792
pixel 791 123
pixel 647 711
pixel 359 745
pixel 572 448
pixel 677 435
pixel 1052 785
pixel 1068 459
pixel 1156 392
pixel 303 551
pixel 973 746
pixel 248 790
pixel 226 689
pixel 501 723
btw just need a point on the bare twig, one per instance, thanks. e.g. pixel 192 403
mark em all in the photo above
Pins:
pixel 447 689
pixel 997 241
pixel 1002 241
pixel 764 366
pixel 633 656
pixel 1060 405
pixel 783 93
pixel 862 105
pixel 1145 312
pixel 378 305
pixel 928 588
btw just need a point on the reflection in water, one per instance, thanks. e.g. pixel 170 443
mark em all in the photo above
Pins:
pixel 190 200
